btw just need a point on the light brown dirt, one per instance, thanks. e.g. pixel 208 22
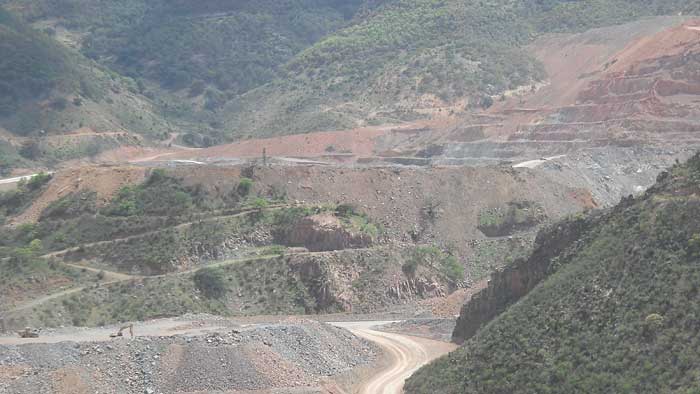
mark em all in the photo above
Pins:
pixel 450 305
pixel 69 380
pixel 406 354
pixel 12 371
pixel 397 198
pixel 670 42
pixel 359 142
pixel 105 181
pixel 573 61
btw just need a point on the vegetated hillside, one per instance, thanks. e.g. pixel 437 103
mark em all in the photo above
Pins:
pixel 47 89
pixel 190 58
pixel 163 247
pixel 412 54
pixel 264 68
pixel 619 313
pixel 232 46
pixel 31 64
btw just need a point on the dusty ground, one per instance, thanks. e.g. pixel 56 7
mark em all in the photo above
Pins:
pixel 184 355
pixel 208 354
pixel 406 355
pixel 396 198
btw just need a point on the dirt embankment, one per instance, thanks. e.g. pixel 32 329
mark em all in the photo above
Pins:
pixel 629 82
pixel 359 142
pixel 105 181
pixel 406 201
pixel 323 232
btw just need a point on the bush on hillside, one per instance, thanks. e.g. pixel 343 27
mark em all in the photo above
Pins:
pixel 245 186
pixel 211 282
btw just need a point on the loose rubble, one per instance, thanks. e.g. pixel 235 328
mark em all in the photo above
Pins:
pixel 300 354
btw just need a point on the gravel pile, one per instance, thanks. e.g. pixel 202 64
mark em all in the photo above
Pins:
pixel 436 329
pixel 295 355
pixel 319 349
pixel 202 367
pixel 42 356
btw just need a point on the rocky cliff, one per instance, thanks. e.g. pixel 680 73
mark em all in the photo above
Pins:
pixel 323 232
pixel 510 284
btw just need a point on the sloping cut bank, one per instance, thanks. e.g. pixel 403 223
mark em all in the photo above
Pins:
pixel 508 285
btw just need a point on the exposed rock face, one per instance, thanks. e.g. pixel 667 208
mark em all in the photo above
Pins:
pixel 513 282
pixel 417 287
pixel 360 281
pixel 316 276
pixel 323 232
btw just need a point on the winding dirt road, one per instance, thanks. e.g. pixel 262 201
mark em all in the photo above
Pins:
pixel 406 354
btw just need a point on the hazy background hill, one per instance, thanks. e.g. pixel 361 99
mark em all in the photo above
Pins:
pixel 48 89
pixel 215 71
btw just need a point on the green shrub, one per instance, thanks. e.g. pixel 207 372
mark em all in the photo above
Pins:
pixel 15 201
pixel 345 210
pixel 161 194
pixel 694 245
pixel 210 281
pixel 410 267
pixel 433 257
pixel 260 203
pixel 244 187
pixel 37 181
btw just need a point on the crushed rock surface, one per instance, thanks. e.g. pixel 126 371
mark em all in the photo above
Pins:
pixel 293 356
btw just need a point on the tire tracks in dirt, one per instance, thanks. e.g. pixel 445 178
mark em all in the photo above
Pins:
pixel 405 355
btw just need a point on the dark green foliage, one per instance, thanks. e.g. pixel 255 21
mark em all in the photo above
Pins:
pixel 268 67
pixel 245 186
pixel 562 15
pixel 345 210
pixel 159 195
pixel 9 158
pixel 72 205
pixel 30 150
pixel 619 315
pixel 30 64
pixel 15 201
pixel 210 282
pixel 266 285
pixel 234 46
pixel 22 258
pixel 430 256
pixel 509 218
pixel 23 273
pixel 403 49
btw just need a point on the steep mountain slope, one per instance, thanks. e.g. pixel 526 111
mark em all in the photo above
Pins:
pixel 48 90
pixel 617 314
pixel 233 46
pixel 408 55
pixel 267 68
